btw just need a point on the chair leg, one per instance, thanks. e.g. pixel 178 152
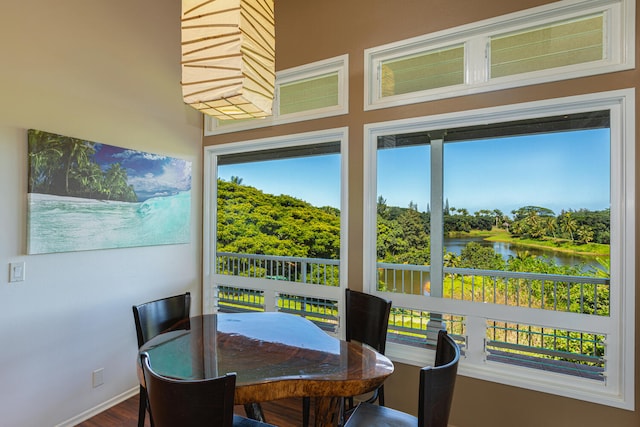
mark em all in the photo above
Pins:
pixel 381 395
pixel 142 407
pixel 305 411
pixel 254 411
pixel 349 404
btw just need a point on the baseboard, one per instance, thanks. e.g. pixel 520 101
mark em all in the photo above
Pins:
pixel 100 408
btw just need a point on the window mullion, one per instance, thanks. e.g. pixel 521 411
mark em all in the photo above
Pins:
pixel 476 61
pixel 437 228
pixel 437 220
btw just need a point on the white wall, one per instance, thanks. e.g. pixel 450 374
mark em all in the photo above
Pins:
pixel 106 71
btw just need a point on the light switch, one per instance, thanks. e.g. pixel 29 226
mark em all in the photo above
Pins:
pixel 16 271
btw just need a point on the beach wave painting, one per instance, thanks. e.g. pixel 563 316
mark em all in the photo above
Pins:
pixel 85 195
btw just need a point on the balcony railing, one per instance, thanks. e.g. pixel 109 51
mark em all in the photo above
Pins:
pixel 294 269
pixel 579 353
pixel 576 294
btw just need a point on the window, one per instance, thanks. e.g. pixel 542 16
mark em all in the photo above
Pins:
pixel 275 226
pixel 429 70
pixel 559 44
pixel 561 40
pixel 311 91
pixel 513 228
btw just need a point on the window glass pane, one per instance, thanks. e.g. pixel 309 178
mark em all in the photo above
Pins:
pixel 278 214
pixel 526 224
pixel 409 327
pixel 309 94
pixel 535 201
pixel 563 351
pixel 278 218
pixel 403 213
pixel 556 45
pixel 423 71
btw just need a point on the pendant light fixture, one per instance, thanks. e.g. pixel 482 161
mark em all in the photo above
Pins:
pixel 228 57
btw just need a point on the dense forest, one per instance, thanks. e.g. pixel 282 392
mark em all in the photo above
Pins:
pixel 63 166
pixel 250 221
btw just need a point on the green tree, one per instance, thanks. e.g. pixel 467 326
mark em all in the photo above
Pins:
pixel 474 255
pixel 551 224
pixel 585 234
pixel 499 216
pixel 568 224
pixel 382 208
pixel 250 221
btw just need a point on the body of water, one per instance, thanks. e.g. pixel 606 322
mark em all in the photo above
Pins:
pixel 63 224
pixel 456 244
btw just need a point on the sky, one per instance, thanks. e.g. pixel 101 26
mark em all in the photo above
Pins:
pixel 313 179
pixel 151 175
pixel 559 171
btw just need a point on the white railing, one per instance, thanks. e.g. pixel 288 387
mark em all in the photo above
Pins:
pixel 556 292
pixel 294 269
pixel 570 352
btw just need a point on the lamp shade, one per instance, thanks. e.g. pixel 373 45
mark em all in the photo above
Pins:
pixel 228 57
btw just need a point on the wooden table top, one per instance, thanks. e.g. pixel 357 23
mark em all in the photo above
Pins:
pixel 274 355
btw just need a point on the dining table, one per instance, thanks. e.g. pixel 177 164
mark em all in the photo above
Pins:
pixel 274 355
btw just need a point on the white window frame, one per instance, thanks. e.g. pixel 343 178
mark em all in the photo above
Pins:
pixel 619 55
pixel 338 64
pixel 618 388
pixel 272 287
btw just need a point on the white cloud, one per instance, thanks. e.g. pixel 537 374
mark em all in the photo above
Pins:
pixel 175 176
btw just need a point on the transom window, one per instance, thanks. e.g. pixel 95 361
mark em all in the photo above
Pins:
pixel 310 91
pixel 561 40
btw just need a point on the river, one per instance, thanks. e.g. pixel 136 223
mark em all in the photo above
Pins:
pixel 456 244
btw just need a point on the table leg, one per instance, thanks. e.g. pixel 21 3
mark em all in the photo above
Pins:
pixel 254 411
pixel 327 411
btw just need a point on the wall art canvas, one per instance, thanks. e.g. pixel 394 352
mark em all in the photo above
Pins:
pixel 86 195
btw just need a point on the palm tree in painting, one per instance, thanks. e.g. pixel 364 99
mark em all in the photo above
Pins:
pixel 116 184
pixel 45 156
pixel 89 179
pixel 79 158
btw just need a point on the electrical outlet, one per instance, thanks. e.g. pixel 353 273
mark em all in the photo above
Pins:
pixel 97 377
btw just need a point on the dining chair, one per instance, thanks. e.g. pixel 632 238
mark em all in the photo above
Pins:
pixel 192 403
pixel 435 394
pixel 366 321
pixel 152 318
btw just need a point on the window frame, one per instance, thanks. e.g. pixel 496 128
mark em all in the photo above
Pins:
pixel 618 389
pixel 338 64
pixel 272 287
pixel 619 16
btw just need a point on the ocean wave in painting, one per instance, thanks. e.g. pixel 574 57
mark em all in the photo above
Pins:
pixel 63 224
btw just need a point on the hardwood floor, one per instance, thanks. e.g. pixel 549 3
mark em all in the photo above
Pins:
pixel 282 413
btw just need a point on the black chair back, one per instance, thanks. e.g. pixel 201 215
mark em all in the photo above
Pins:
pixel 437 384
pixel 189 403
pixel 154 317
pixel 367 319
